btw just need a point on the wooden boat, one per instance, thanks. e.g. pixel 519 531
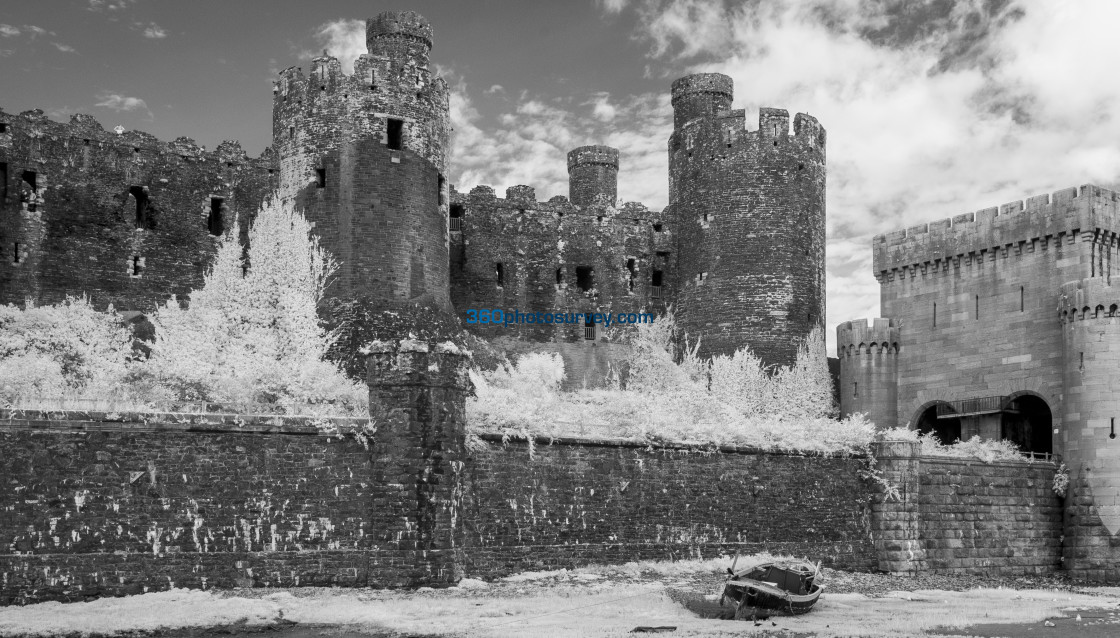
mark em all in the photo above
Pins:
pixel 785 588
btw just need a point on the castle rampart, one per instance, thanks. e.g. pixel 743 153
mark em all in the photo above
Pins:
pixel 517 253
pixel 121 216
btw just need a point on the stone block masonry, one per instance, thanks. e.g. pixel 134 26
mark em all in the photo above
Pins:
pixel 968 517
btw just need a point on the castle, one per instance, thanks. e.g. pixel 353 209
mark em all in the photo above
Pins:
pixel 131 220
pixel 1004 323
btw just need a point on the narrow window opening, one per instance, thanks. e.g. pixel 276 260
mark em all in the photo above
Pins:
pixel 1021 299
pixel 935 315
pixel 291 131
pixel 559 276
pixel 135 154
pixel 137 265
pixel 395 134
pixel 15 257
pixel 3 127
pixel 500 271
pixel 320 178
pixel 585 278
pixel 589 326
pixel 140 195
pixel 855 388
pixel 455 218
pixel 599 219
pixel 3 183
pixel 632 266
pixel 657 227
pixel 32 181
pixel 1081 363
pixel 85 142
pixel 655 285
pixel 215 223
pixel 978 307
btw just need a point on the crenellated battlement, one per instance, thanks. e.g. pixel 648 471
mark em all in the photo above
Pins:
pixel 857 337
pixel 1064 214
pixel 1088 299
pixel 522 200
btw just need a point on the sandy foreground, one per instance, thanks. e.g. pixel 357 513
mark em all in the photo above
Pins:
pixel 604 601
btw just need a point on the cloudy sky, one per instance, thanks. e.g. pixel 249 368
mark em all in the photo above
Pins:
pixel 933 108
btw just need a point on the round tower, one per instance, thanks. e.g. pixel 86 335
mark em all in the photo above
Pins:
pixel 747 210
pixel 1089 311
pixel 700 95
pixel 364 157
pixel 592 171
pixel 869 370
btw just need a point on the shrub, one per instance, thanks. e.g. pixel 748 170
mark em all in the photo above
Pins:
pixel 66 348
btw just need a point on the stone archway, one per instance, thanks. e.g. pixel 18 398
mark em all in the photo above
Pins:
pixel 946 429
pixel 1028 422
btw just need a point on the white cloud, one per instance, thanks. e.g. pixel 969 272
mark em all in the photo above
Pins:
pixel 118 102
pixel 65 48
pixel 34 31
pixel 927 118
pixel 344 39
pixel 8 31
pixel 495 88
pixel 108 5
pixel 154 31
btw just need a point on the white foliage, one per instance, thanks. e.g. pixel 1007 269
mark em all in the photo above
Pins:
pixel 253 335
pixel 732 400
pixel 66 348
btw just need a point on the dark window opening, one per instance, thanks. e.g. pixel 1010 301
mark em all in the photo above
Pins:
pixel 143 218
pixel 3 183
pixel 320 178
pixel 599 219
pixel 656 281
pixel 631 265
pixel 291 131
pixel 15 257
pixel 395 131
pixel 85 142
pixel 655 285
pixel 455 217
pixel 32 180
pixel 663 254
pixel 855 388
pixel 585 278
pixel 215 223
pixel 501 273
pixel 977 307
pixel 657 227
pixel 3 127
pixel 441 193
pixel 800 167
pixel 559 276
pixel 137 266
pixel 1021 299
pixel 935 315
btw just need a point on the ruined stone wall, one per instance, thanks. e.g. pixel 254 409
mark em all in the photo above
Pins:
pixel 543 247
pixel 574 502
pixel 365 156
pixel 748 214
pixel 976 295
pixel 77 228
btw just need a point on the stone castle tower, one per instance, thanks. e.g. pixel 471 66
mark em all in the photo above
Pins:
pixel 365 156
pixel 747 210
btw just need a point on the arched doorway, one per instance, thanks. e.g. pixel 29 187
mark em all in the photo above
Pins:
pixel 1028 423
pixel 947 429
